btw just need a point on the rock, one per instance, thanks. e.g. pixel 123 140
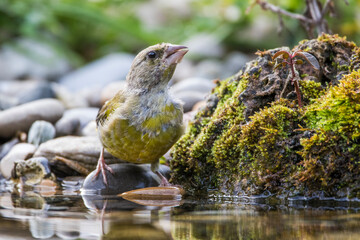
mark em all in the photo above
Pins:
pixel 193 84
pixel 210 69
pixel 126 177
pixel 31 90
pixel 31 171
pixel 90 129
pixel 74 120
pixel 30 58
pixel 190 99
pixel 204 45
pixel 234 62
pixel 20 151
pixel 99 73
pixel 68 98
pixel 40 131
pixel 110 90
pixel 83 152
pixel 6 147
pixel 250 137
pixel 20 118
pixel 186 69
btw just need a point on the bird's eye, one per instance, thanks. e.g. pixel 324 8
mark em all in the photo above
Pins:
pixel 152 54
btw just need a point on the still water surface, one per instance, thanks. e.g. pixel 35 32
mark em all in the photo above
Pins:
pixel 68 215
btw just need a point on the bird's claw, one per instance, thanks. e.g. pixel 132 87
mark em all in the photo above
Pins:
pixel 101 168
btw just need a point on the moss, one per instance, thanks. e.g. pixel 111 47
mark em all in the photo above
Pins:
pixel 311 90
pixel 338 110
pixel 251 137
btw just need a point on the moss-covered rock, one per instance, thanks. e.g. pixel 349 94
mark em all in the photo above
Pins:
pixel 251 137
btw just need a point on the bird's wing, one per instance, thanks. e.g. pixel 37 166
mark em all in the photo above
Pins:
pixel 109 107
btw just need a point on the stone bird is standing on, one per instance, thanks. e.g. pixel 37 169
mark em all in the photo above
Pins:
pixel 142 121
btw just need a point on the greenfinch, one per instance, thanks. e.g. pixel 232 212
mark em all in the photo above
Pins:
pixel 143 120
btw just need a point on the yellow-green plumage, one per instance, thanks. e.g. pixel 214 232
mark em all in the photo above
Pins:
pixel 143 121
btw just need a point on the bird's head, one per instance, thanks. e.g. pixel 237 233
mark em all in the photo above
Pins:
pixel 154 66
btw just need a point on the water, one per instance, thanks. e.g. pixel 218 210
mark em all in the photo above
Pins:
pixel 68 215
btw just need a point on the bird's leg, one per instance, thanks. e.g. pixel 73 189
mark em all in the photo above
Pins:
pixel 102 166
pixel 164 182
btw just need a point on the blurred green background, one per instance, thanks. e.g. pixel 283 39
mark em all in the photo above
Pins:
pixel 84 30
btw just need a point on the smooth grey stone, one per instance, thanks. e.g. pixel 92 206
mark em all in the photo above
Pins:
pixel 20 118
pixel 99 73
pixel 193 84
pixel 31 90
pixel 190 98
pixel 90 129
pixel 68 98
pixel 6 147
pixel 74 120
pixel 110 90
pixel 20 151
pixel 82 150
pixel 234 62
pixel 126 177
pixel 204 45
pixel 40 132
pixel 30 58
pixel 210 69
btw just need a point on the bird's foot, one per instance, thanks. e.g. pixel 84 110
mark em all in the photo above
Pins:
pixel 164 182
pixel 103 167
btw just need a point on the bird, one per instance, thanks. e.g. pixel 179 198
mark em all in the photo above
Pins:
pixel 143 120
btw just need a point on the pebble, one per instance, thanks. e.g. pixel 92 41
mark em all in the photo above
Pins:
pixel 203 85
pixel 21 117
pixel 90 129
pixel 126 177
pixel 110 90
pixel 40 131
pixel 20 151
pixel 82 150
pixel 44 62
pixel 99 73
pixel 190 98
pixel 31 90
pixel 210 68
pixel 74 120
pixel 32 171
pixel 204 45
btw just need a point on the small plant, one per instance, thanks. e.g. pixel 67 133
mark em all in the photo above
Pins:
pixel 290 59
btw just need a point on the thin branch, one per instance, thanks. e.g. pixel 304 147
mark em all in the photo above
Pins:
pixel 268 6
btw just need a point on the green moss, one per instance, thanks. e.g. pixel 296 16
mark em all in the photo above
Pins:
pixel 311 90
pixel 338 110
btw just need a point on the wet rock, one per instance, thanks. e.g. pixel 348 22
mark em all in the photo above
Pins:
pixel 31 171
pixel 40 131
pixel 31 90
pixel 126 177
pixel 20 151
pixel 99 73
pixel 30 58
pixel 20 118
pixel 83 152
pixel 74 120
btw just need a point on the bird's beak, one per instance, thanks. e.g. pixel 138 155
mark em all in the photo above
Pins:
pixel 174 54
